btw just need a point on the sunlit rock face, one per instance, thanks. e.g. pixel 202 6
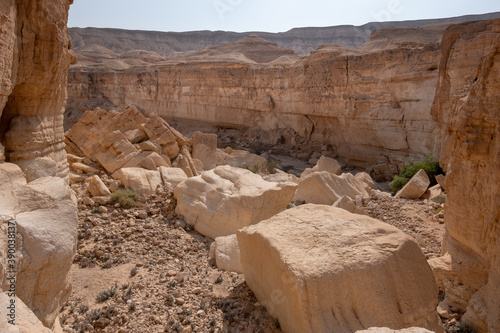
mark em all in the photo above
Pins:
pixel 466 109
pixel 371 101
pixel 34 60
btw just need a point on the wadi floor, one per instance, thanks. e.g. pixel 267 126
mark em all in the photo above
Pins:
pixel 143 270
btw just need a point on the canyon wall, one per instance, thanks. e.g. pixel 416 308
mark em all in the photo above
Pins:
pixel 34 60
pixel 466 110
pixel 37 209
pixel 371 101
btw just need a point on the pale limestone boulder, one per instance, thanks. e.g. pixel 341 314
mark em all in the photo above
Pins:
pixel 349 205
pixel 367 180
pixel 97 188
pixel 326 188
pixel 172 177
pixel 244 159
pixel 322 269
pixel 204 149
pixel 225 199
pixel 44 212
pixel 143 181
pixel 416 187
pixel 24 319
pixel 324 164
pixel 227 254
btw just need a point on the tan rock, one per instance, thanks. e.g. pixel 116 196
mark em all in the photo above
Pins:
pixel 97 188
pixel 441 181
pixel 466 111
pixel 76 178
pixel 140 180
pixel 172 177
pixel 349 205
pixel 135 135
pixel 325 188
pixel 227 254
pixel 246 160
pixel 225 199
pixel 322 269
pixel 367 180
pixel 33 84
pixel 416 187
pixel 45 219
pixel 25 320
pixel 204 149
pixel 324 164
pixel 84 168
pixel 150 146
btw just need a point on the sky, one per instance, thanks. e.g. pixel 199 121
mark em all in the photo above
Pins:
pixel 261 15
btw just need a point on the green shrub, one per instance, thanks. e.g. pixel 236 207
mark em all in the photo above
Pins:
pixel 431 168
pixel 271 166
pixel 125 197
pixel 106 294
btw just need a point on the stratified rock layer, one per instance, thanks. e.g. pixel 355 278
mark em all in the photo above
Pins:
pixel 322 269
pixel 34 61
pixel 466 107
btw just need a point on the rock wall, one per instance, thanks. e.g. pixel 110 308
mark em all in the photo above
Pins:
pixel 367 102
pixel 34 60
pixel 466 109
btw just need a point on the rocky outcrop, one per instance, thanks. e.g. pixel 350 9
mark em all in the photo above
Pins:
pixel 322 269
pixel 43 218
pixel 225 199
pixel 416 187
pixel 383 90
pixel 466 109
pixel 33 68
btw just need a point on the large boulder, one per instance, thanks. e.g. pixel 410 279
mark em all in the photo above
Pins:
pixel 416 187
pixel 322 269
pixel 324 164
pixel 326 188
pixel 241 159
pixel 172 177
pixel 205 148
pixel 225 199
pixel 42 216
pixel 21 319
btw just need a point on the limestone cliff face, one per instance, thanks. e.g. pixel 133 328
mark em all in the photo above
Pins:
pixel 367 102
pixel 34 59
pixel 466 109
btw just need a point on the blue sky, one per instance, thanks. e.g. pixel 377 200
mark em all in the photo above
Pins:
pixel 261 15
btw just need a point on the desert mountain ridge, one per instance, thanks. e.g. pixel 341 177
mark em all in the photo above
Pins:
pixel 300 40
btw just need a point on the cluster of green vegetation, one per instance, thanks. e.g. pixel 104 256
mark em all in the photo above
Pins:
pixel 254 169
pixel 127 198
pixel 431 168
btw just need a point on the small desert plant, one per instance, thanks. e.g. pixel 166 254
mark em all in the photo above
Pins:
pixel 106 294
pixel 440 199
pixel 133 271
pixel 271 166
pixel 125 197
pixel 464 328
pixel 83 308
pixel 431 168
pixel 254 169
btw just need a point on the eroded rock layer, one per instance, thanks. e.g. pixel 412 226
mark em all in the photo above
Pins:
pixel 34 60
pixel 366 102
pixel 466 109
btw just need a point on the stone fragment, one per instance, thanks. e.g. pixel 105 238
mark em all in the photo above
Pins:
pixel 441 181
pixel 416 187
pixel 227 254
pixel 135 135
pixel 204 149
pixel 322 269
pixel 97 188
pixel 324 164
pixel 244 159
pixel 349 205
pixel 225 199
pixel 140 180
pixel 366 179
pixel 326 188
pixel 172 177
pixel 84 168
